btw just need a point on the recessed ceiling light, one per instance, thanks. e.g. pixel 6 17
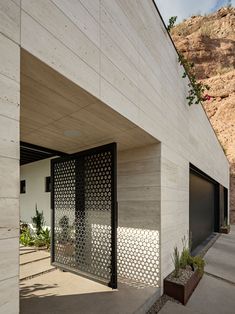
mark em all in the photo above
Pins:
pixel 72 133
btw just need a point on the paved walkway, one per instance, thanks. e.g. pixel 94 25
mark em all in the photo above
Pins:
pixel 215 293
pixel 34 262
pixel 46 290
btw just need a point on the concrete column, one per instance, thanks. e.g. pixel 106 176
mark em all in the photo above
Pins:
pixel 9 155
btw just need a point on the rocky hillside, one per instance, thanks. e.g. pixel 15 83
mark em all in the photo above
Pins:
pixel 209 42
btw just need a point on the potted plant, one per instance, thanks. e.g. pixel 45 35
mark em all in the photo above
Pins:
pixel 64 240
pixel 225 227
pixel 188 271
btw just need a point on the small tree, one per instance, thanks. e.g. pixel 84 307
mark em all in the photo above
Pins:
pixel 38 220
pixel 171 23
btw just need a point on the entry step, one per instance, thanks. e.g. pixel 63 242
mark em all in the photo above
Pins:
pixel 26 249
pixel 36 268
pixel 33 256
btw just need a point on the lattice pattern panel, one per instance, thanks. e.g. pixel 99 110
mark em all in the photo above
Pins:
pixel 98 181
pixel 64 206
pixel 83 205
pixel 138 256
pixel 93 236
pixel 93 256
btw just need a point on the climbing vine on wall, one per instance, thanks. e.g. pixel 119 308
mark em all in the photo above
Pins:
pixel 196 89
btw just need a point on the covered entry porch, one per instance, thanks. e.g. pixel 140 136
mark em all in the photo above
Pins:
pixel 59 115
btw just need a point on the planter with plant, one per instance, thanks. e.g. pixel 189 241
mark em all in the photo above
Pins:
pixel 65 241
pixel 225 227
pixel 188 271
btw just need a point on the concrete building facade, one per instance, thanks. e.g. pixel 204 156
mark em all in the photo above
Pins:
pixel 109 70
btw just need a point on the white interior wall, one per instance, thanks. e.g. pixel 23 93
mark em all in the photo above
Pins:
pixel 34 174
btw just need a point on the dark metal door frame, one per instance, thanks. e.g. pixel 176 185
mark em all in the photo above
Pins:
pixel 215 198
pixel 220 199
pixel 225 205
pixel 78 157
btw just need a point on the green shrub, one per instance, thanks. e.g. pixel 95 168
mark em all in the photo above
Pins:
pixel 23 226
pixel 185 255
pixel 199 263
pixel 171 23
pixel 43 239
pixel 185 258
pixel 25 238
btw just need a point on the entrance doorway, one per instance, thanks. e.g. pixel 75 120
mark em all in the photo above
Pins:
pixel 84 213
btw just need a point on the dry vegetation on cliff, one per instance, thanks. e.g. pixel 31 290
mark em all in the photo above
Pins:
pixel 209 42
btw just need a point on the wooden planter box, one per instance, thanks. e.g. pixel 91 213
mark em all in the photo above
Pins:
pixel 182 292
pixel 225 229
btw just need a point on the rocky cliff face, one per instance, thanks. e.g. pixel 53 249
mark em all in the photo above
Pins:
pixel 209 42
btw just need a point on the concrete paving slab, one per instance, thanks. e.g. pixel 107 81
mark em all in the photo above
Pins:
pixel 175 308
pixel 33 256
pixel 64 292
pixel 35 268
pixel 213 296
pixel 221 256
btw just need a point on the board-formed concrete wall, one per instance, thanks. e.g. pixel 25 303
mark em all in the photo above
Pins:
pixel 138 184
pixel 120 52
pixel 9 156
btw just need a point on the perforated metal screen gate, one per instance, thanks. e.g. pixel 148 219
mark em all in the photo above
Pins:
pixel 84 214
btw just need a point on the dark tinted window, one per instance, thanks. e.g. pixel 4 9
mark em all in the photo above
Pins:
pixel 48 184
pixel 22 186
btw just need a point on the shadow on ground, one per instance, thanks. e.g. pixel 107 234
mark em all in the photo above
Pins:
pixel 31 291
pixel 115 302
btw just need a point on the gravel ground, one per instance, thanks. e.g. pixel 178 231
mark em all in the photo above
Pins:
pixel 160 303
pixel 185 274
